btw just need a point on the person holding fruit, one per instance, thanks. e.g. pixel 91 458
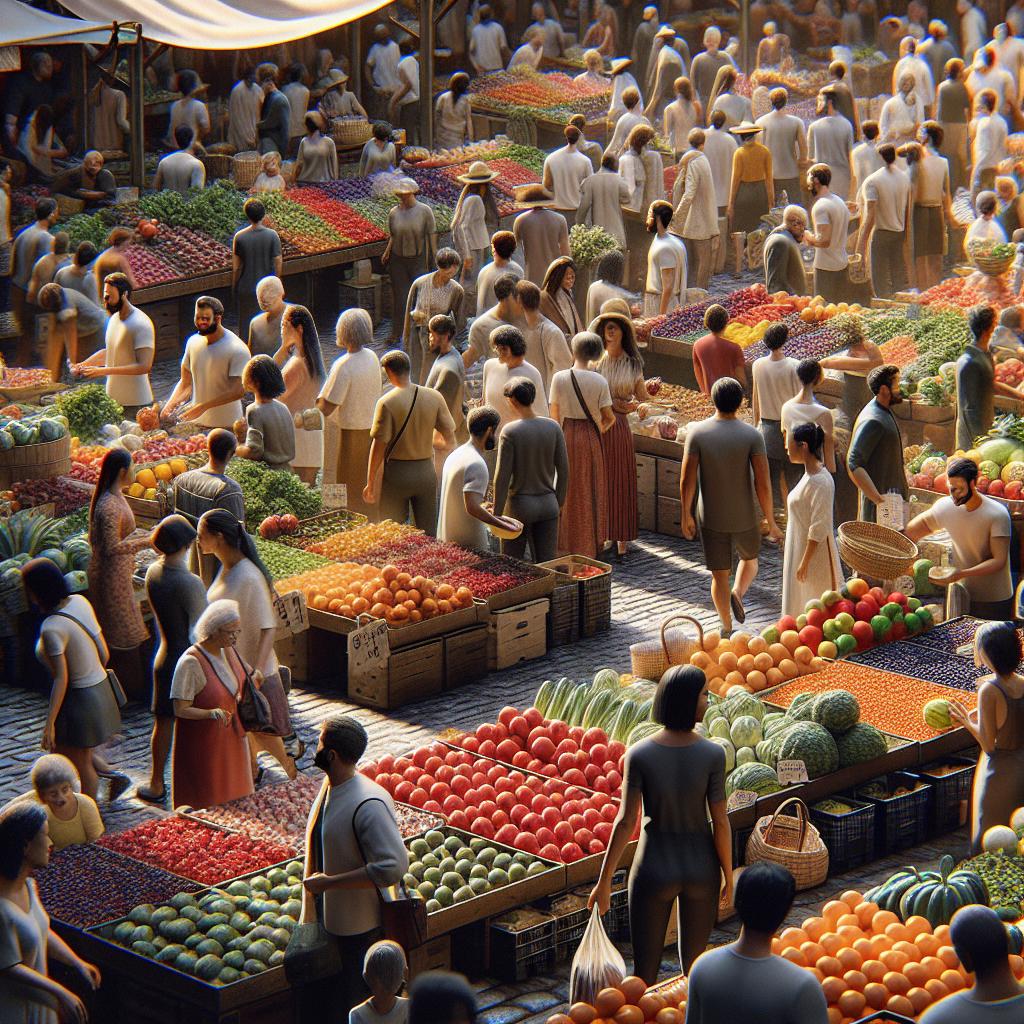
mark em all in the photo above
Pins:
pixel 675 778
pixel 979 528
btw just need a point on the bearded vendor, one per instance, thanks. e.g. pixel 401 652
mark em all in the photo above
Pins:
pixel 979 528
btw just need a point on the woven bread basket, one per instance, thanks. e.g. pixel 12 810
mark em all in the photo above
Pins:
pixel 994 266
pixel 651 659
pixel 791 841
pixel 347 131
pixel 245 167
pixel 874 550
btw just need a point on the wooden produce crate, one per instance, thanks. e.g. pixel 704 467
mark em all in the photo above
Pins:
pixel 595 592
pixel 35 461
pixel 167 327
pixel 414 672
pixel 517 634
pixel 647 511
pixel 670 517
pixel 533 589
pixel 465 656
pixel 410 633
pixel 293 651
pixel 564 619
pixel 646 475
pixel 434 955
pixel 669 472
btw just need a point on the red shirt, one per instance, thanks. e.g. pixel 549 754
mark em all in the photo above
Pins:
pixel 713 358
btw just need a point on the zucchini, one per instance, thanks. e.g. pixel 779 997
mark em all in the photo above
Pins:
pixel 597 706
pixel 576 705
pixel 544 697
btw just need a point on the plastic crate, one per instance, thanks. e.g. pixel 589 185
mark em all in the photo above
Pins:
pixel 900 821
pixel 564 617
pixel 518 955
pixel 850 837
pixel 739 845
pixel 617 920
pixel 950 793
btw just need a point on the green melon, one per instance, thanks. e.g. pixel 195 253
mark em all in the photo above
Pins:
pixel 837 710
pixel 861 743
pixel 813 744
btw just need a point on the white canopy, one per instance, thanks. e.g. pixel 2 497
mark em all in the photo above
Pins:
pixel 226 24
pixel 27 26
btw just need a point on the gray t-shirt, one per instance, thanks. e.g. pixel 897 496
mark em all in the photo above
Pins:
pixel 972 534
pixel 83 283
pixel 725 448
pixel 485 297
pixel 271 433
pixel 726 987
pixel 480 333
pixel 533 463
pixel 257 247
pixel 91 318
pixel 199 490
pixel 265 333
pixel 975 395
pixel 30 245
pixel 447 376
pixel 540 233
pixel 961 1008
pixel 877 446
pixel 465 472
pixel 410 229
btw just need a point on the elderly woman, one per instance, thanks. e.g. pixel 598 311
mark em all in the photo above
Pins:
pixel 27 994
pixel 73 817
pixel 177 597
pixel 337 101
pixel 453 115
pixel 270 178
pixel 379 152
pixel 265 328
pixel 594 75
pixel 348 400
pixel 318 156
pixel 556 297
pixel 433 293
pixel 211 757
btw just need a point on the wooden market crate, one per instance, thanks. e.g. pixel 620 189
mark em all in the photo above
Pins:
pixel 517 634
pixel 413 673
pixel 35 461
pixel 465 656
pixel 670 517
pixel 669 472
pixel 595 592
pixel 646 475
pixel 434 955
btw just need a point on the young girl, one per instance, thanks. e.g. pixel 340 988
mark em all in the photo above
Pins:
pixel 384 973
pixel 270 437
pixel 73 816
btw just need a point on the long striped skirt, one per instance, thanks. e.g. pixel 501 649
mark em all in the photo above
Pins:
pixel 620 474
pixel 583 524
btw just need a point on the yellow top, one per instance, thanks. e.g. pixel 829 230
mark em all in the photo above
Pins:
pixel 84 827
pixel 752 162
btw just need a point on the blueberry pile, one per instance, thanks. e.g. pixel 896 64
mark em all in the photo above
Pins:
pixel 949 635
pixel 934 666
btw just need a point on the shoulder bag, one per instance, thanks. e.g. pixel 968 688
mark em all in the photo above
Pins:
pixel 253 707
pixel 401 430
pixel 403 913
pixel 115 684
pixel 312 952
pixel 598 541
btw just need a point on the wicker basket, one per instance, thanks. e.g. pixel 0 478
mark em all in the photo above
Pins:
pixel 35 461
pixel 875 550
pixel 347 131
pixel 68 206
pixel 792 842
pixel 994 266
pixel 651 659
pixel 218 165
pixel 245 167
pixel 857 269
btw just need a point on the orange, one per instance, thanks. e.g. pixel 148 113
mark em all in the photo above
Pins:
pixel 876 995
pixel 897 932
pixel 881 943
pixel 919 999
pixel 833 989
pixel 893 960
pixel 908 949
pixel 650 1004
pixel 850 959
pixel 830 967
pixel 901 1005
pixel 631 1015
pixel 849 919
pixel 852 1004
pixel 1016 965
pixel 882 920
pixel 777 946
pixel 833 910
pixel 918 925
pixel 609 1000
pixel 935 989
pixel 670 1015
pixel 794 956
pixel 933 965
pixel 850 933
pixel 834 1016
pixel 942 934
pixel 817 974
pixel 852 898
pixel 812 951
pixel 927 944
pixel 633 988
pixel 815 927
pixel 864 947
pixel 831 943
pixel 916 974
pixel 873 970
pixel 793 937
pixel 163 472
pixel 855 980
pixel 896 983
pixel 947 954
pixel 953 980
pixel 582 1013
pixel 865 912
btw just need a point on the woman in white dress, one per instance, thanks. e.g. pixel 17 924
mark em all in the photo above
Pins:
pixel 476 215
pixel 811 561
pixel 453 115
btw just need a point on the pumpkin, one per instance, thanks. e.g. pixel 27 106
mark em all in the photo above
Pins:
pixel 148 228
pixel 938 900
pixel 888 895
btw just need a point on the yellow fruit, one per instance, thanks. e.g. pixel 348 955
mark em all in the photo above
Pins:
pixel 145 478
pixel 163 472
pixel 136 490
pixel 178 466
pixel 150 494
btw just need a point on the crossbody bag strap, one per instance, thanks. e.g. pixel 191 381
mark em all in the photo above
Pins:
pixel 583 404
pixel 247 680
pixel 81 625
pixel 359 845
pixel 401 430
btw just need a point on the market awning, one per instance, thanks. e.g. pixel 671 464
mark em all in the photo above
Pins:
pixel 226 24
pixel 21 25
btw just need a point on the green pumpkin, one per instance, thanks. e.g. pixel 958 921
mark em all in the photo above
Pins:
pixel 937 900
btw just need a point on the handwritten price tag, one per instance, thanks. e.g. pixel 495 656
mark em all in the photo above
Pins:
pixel 905 585
pixel 368 647
pixel 740 799
pixel 335 495
pixel 890 512
pixel 791 772
pixel 291 612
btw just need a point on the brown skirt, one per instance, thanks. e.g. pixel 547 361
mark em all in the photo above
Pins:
pixel 620 474
pixel 353 457
pixel 750 205
pixel 929 231
pixel 583 525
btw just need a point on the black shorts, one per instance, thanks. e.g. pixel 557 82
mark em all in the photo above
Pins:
pixel 719 547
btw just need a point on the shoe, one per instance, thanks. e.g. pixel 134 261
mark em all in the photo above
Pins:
pixel 737 607
pixel 260 772
pixel 119 782
pixel 145 793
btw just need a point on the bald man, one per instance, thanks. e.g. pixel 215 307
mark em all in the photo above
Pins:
pixel 89 181
pixel 783 261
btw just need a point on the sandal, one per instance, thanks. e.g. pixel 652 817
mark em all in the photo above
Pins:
pixel 119 782
pixel 151 797
pixel 738 611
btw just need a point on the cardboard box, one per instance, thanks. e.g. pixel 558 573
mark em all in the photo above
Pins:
pixel 412 673
pixel 465 656
pixel 668 478
pixel 646 475
pixel 293 651
pixel 648 509
pixel 670 517
pixel 517 634
pixel 434 955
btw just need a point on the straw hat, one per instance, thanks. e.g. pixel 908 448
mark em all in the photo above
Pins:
pixel 746 128
pixel 620 64
pixel 337 78
pixel 478 174
pixel 613 316
pixel 650 12
pixel 616 306
pixel 665 32
pixel 407 186
pixel 318 118
pixel 532 197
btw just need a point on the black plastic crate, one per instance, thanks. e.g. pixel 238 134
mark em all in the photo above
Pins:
pixel 616 922
pixel 516 956
pixel 900 821
pixel 850 836
pixel 950 792
pixel 564 616
pixel 740 836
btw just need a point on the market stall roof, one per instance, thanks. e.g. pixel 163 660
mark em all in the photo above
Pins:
pixel 21 25
pixel 226 24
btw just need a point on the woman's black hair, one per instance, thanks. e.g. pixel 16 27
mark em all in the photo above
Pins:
pixel 382 131
pixel 675 700
pixel 20 823
pixel 263 377
pixel 1000 643
pixel 811 435
pixel 227 526
pixel 556 274
pixel 458 83
pixel 45 582
pixel 114 463
pixel 173 534
pixel 299 316
pixel 43 119
pixel 438 997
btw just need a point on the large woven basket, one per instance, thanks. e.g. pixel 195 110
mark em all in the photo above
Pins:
pixel 791 841
pixel 651 659
pixel 994 266
pixel 218 165
pixel 875 550
pixel 245 167
pixel 347 131
pixel 857 268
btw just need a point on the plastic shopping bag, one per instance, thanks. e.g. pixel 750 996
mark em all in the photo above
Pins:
pixel 596 965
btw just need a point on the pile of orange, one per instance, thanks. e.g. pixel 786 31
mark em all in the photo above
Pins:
pixel 351 589
pixel 630 1002
pixel 751 663
pixel 868 960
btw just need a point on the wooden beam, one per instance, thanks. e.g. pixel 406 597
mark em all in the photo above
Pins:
pixel 136 115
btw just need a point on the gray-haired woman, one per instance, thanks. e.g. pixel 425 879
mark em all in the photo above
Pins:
pixel 384 971
pixel 74 817
pixel 27 994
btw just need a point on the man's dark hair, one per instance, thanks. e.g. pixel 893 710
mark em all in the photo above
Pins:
pixel 727 394
pixel 503 243
pixel 821 173
pixel 85 254
pixel 481 419
pixel 221 444
pixel 808 371
pixel 716 318
pixel 183 136
pixel 528 294
pixel 980 319
pixel 61 243
pixel 934 132
pixel 987 203
pixel 211 303
pixel 887 153
pixel 45 208
pixel 869 129
pixel 611 266
pixel 609 161
pixel 521 390
pixel 397 362
pixel 442 323
pixel 504 286
pixel 509 337
pixel 438 997
pixel 764 895
pixel 660 212
pixel 775 337
pixel 254 209
pixel 965 469
pixel 717 119
pixel 346 736
pixel 120 282
pixel 979 938
pixel 676 698
pixel 882 377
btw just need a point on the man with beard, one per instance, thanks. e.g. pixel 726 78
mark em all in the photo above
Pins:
pixel 211 371
pixel 979 528
pixel 831 228
pixel 875 458
pixel 130 345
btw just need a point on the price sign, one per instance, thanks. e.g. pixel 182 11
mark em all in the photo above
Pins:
pixel 890 512
pixel 740 799
pixel 791 772
pixel 48 510
pixel 291 612
pixel 335 495
pixel 905 585
pixel 914 311
pixel 368 646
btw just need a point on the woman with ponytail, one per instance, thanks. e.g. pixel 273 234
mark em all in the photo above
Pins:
pixel 244 578
pixel 811 561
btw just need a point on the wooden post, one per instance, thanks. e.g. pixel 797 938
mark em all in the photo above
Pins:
pixel 745 36
pixel 83 91
pixel 355 71
pixel 137 113
pixel 426 58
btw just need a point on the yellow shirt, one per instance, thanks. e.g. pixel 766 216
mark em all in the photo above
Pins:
pixel 84 827
pixel 752 162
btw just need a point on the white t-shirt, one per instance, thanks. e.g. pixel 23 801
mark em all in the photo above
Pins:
pixel 192 113
pixel 985 231
pixel 526 54
pixel 667 252
pixel 971 534
pixel 782 135
pixel 211 367
pixel 125 341
pixel 354 385
pixel 719 147
pixel 865 162
pixel 795 412
pixel 486 42
pixel 775 383
pixel 497 375
pixel 59 636
pixel 989 141
pixel 829 141
pixel 409 71
pixel 832 210
pixel 890 190
pixel 364 1013
pixel 594 388
pixel 465 472
pixel 181 171
pixel 383 60
pixel 568 168
pixel 244 583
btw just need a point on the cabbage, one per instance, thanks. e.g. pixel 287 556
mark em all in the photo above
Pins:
pixel 730 752
pixel 999 450
pixel 745 731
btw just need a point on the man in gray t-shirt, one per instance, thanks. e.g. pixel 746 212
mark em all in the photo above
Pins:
pixel 255 254
pixel 727 458
pixel 745 981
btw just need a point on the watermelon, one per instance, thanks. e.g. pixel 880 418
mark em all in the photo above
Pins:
pixel 745 755
pixel 56 556
pixel 6 440
pixel 936 715
pixel 813 744
pixel 862 742
pixel 837 710
pixel 77 581
pixel 755 777
pixel 50 430
pixel 730 751
pixel 800 708
pixel 742 704
pixel 999 450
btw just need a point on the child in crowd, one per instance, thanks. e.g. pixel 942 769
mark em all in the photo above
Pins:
pixel 384 973
pixel 270 436
pixel 73 816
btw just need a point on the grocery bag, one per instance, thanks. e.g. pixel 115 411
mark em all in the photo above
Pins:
pixel 596 965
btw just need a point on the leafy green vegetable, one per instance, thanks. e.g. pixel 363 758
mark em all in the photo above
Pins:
pixel 270 492
pixel 88 409
pixel 284 561
pixel 588 245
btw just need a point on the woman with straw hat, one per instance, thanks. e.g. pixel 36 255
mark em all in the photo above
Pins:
pixel 317 159
pixel 412 241
pixel 337 101
pixel 475 212
pixel 752 192
pixel 453 114
pixel 542 233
